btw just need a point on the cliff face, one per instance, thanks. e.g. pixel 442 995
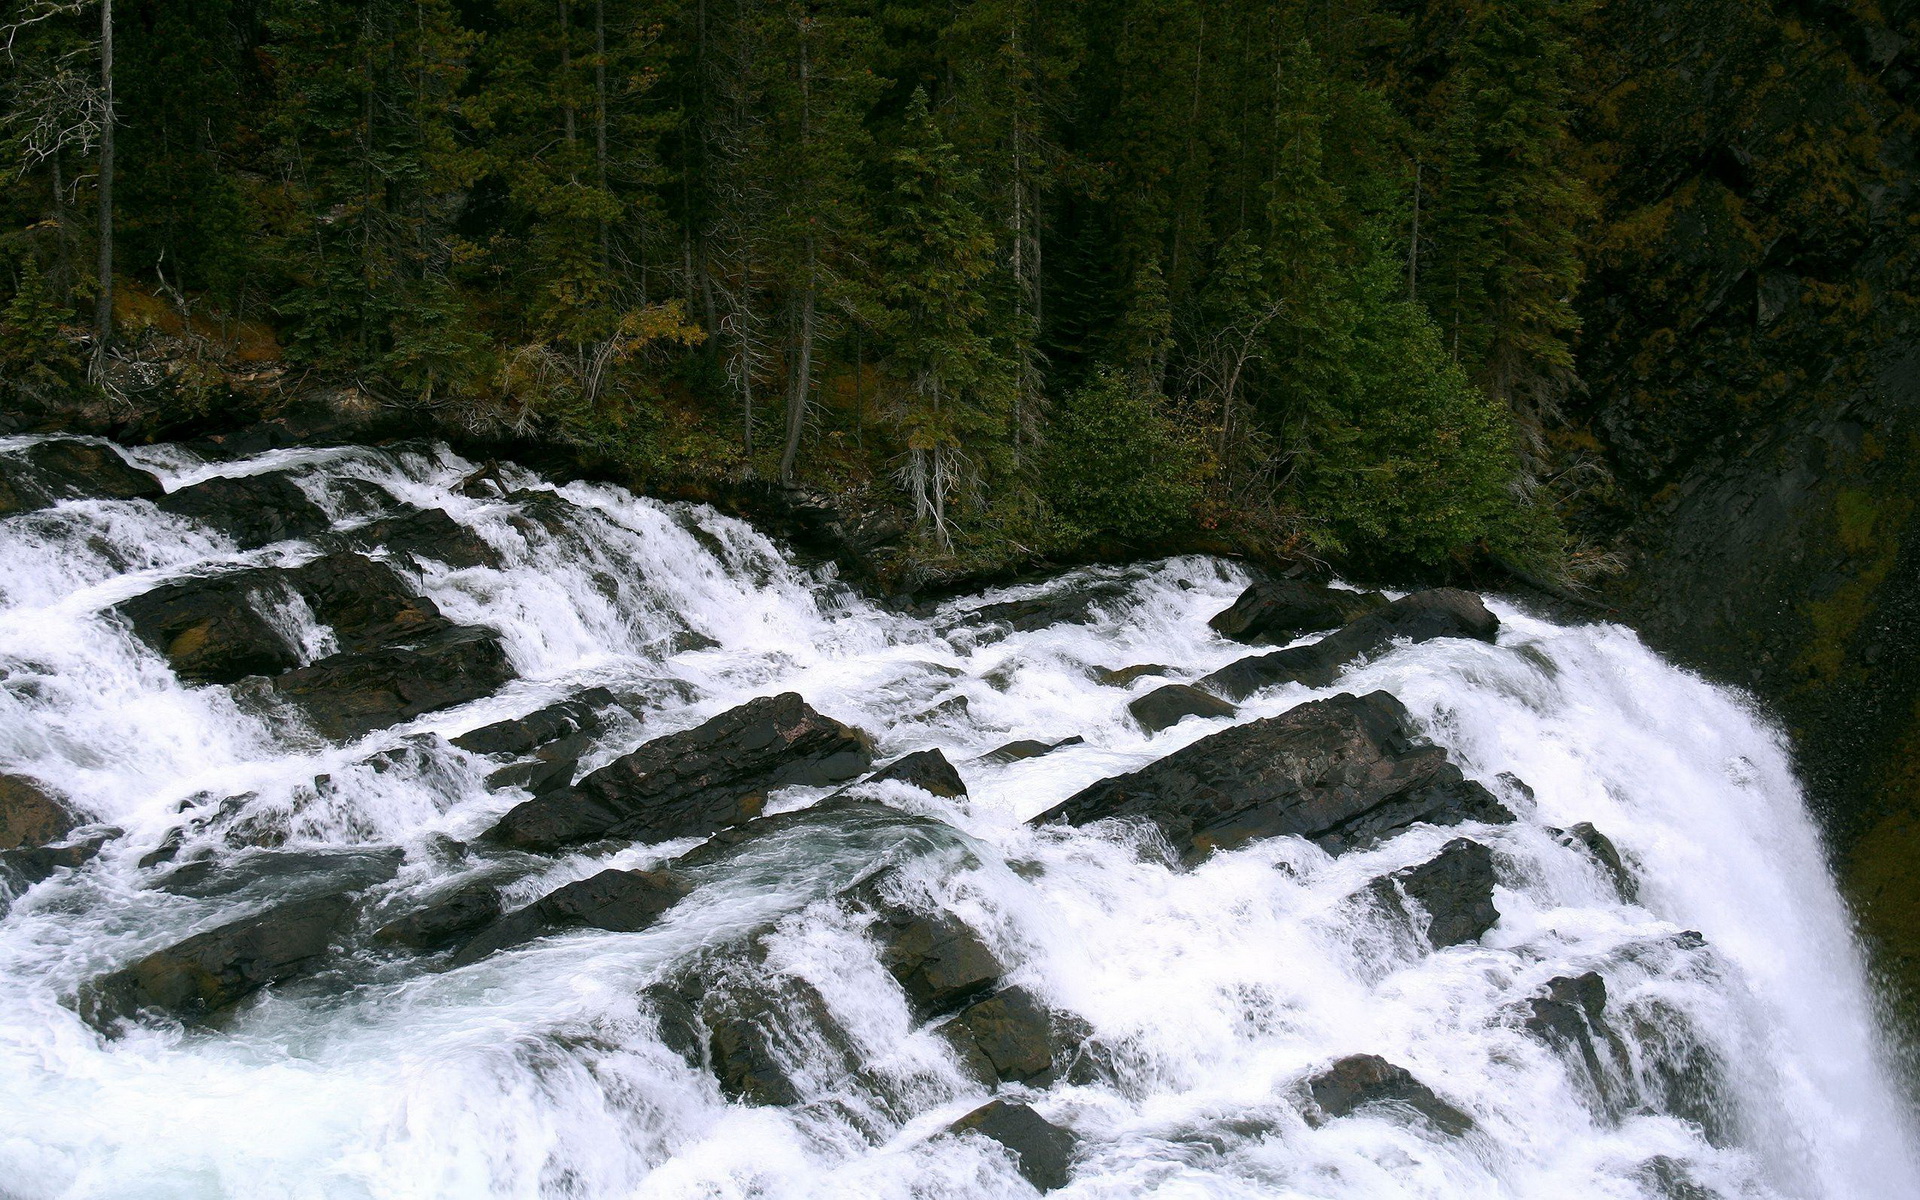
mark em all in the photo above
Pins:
pixel 1751 352
pixel 1792 567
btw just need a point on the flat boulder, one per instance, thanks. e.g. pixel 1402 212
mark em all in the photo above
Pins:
pixel 1042 1151
pixel 1011 1036
pixel 346 695
pixel 453 917
pixel 1420 617
pixel 1339 771
pixel 214 629
pixel 48 472
pixel 421 534
pixel 1454 889
pixel 583 713
pixel 1167 706
pixel 210 971
pixel 695 782
pixel 30 815
pixel 1365 1080
pixel 1026 748
pixel 614 900
pixel 1275 611
pixel 253 510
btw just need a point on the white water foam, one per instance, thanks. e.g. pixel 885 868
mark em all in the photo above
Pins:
pixel 1212 992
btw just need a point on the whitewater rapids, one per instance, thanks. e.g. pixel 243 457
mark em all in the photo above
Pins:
pixel 536 1073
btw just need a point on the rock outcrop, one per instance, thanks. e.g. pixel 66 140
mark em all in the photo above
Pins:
pixel 1365 1080
pixel 210 971
pixel 1454 890
pixel 1601 849
pixel 1165 707
pixel 448 919
pixel 1420 617
pixel 346 695
pixel 927 770
pixel 938 960
pixel 1011 1036
pixel 695 782
pixel 614 900
pixel 1272 612
pixel 1339 771
pixel 421 534
pixel 29 815
pixel 48 472
pixel 576 715
pixel 253 510
pixel 1042 1151
pixel 1027 748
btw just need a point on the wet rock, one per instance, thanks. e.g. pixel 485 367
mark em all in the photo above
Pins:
pixel 1277 611
pixel 253 510
pixel 1454 888
pixel 451 918
pixel 23 867
pixel 364 602
pixel 927 770
pixel 1167 706
pixel 1670 1179
pixel 539 776
pixel 1339 771
pixel 760 1028
pixel 519 735
pixel 346 695
pixel 29 816
pixel 422 534
pixel 1042 1151
pixel 198 977
pixel 283 871
pixel 1602 850
pixel 938 960
pixel 1572 1018
pixel 1420 617
pixel 615 900
pixel 1126 675
pixel 1077 603
pixel 1361 1080
pixel 695 782
pixel 677 1021
pixel 48 472
pixel 1011 1037
pixel 1028 748
pixel 212 630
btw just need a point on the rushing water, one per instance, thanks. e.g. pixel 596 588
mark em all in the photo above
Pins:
pixel 538 1072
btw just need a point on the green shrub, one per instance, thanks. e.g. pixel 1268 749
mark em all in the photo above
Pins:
pixel 1116 467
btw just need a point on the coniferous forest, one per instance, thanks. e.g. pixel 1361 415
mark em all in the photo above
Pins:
pixel 1420 285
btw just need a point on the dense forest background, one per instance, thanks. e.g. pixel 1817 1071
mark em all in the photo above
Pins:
pixel 1416 285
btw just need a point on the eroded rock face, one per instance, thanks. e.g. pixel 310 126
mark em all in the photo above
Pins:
pixel 48 472
pixel 521 735
pixel 927 770
pixel 1165 707
pixel 1420 617
pixel 210 971
pixel 1339 771
pixel 614 900
pixel 695 782
pixel 29 815
pixel 1042 1151
pixel 1363 1080
pixel 1454 888
pixel 347 695
pixel 1011 1036
pixel 1277 611
pixel 213 630
pixel 253 510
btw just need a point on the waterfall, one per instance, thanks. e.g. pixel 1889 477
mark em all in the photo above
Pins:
pixel 1742 1056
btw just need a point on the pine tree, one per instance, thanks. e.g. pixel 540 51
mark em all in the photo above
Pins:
pixel 953 386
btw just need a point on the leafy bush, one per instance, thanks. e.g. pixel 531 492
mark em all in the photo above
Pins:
pixel 1116 467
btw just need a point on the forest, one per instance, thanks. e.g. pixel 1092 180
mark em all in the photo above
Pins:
pixel 1420 285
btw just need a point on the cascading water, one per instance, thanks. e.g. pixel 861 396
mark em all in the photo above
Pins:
pixel 1744 1060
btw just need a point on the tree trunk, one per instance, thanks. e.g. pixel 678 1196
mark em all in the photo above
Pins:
pixel 799 395
pixel 103 307
pixel 600 121
pixel 566 74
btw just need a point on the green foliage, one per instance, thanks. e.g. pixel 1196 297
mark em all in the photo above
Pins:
pixel 31 342
pixel 1117 467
